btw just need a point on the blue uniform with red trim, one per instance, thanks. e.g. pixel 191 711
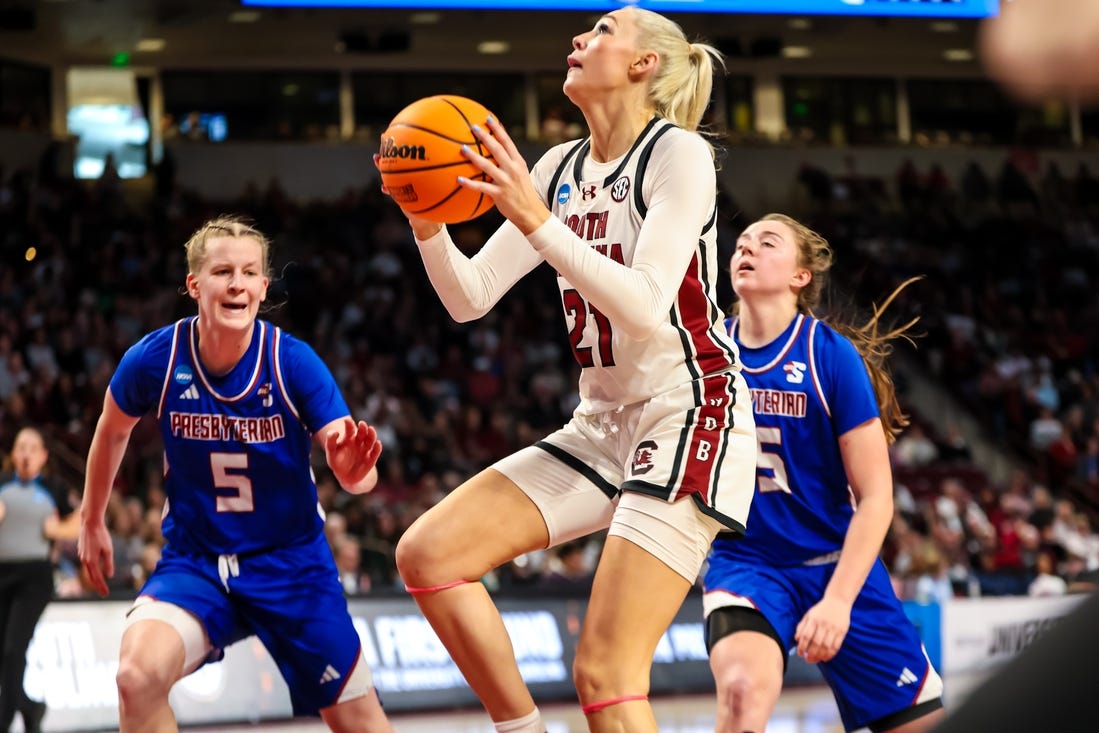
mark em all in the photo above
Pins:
pixel 246 552
pixel 810 386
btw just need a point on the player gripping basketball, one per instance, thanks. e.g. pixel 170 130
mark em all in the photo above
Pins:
pixel 661 448
pixel 421 157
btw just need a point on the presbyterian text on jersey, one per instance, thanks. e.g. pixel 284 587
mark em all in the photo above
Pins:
pixel 203 426
pixel 779 402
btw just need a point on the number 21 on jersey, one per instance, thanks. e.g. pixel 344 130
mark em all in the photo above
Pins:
pixel 579 309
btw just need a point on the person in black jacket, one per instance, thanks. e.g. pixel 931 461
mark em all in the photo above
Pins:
pixel 33 513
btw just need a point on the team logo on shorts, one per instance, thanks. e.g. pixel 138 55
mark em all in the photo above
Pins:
pixel 564 193
pixel 643 457
pixel 621 189
pixel 183 375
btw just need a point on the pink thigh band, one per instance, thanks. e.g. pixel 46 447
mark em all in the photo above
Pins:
pixel 432 589
pixel 595 707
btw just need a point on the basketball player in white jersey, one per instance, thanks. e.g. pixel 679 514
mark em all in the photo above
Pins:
pixel 661 448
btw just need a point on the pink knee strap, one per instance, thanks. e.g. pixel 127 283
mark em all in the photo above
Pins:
pixel 433 588
pixel 595 707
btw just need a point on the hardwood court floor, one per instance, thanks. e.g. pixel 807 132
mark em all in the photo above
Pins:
pixel 799 710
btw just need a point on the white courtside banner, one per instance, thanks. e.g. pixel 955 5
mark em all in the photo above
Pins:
pixel 979 634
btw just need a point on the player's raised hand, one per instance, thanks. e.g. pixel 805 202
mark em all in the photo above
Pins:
pixel 509 186
pixel 352 450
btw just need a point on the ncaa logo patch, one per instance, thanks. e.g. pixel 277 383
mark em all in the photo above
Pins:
pixel 183 375
pixel 564 193
pixel 621 189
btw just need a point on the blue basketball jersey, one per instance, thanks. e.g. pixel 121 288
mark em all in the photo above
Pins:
pixel 236 446
pixel 808 387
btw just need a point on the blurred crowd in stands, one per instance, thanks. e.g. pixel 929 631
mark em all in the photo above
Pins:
pixel 1008 314
pixel 1009 320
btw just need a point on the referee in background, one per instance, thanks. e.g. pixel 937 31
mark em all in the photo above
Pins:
pixel 33 513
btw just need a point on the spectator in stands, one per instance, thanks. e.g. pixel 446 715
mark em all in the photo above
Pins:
pixel 335 527
pixel 1046 580
pixel 975 186
pixel 1087 466
pixel 933 583
pixel 126 541
pixel 1061 458
pixel 349 564
pixel 553 128
pixel 1041 509
pixel 569 568
pixel 1039 385
pixel 914 448
pixel 380 546
pixel 910 185
pixel 954 447
pixel 1044 429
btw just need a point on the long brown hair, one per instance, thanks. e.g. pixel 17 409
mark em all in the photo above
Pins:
pixel 873 339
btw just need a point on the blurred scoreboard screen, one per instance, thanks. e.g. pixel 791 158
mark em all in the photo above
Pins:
pixel 912 8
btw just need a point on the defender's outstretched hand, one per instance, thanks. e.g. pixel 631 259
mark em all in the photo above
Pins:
pixel 352 451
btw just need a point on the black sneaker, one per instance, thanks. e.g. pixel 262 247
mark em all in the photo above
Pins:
pixel 33 715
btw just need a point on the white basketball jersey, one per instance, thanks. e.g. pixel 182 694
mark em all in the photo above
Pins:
pixel 605 205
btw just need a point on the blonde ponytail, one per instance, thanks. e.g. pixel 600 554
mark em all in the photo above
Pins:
pixel 681 87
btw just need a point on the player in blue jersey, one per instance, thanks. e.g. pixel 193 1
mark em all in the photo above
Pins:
pixel 806 574
pixel 240 405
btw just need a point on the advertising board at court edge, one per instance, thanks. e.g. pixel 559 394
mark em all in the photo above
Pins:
pixel 73 660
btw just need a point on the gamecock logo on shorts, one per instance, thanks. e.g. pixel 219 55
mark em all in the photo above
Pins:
pixel 643 458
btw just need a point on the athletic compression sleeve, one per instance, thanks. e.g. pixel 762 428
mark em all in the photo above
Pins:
pixel 470 286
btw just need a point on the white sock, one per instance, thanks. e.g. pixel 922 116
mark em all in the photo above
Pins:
pixel 531 723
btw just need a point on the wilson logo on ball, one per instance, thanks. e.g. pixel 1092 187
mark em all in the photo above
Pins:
pixel 422 159
pixel 390 149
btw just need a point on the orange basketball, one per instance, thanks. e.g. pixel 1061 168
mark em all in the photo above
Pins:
pixel 421 158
